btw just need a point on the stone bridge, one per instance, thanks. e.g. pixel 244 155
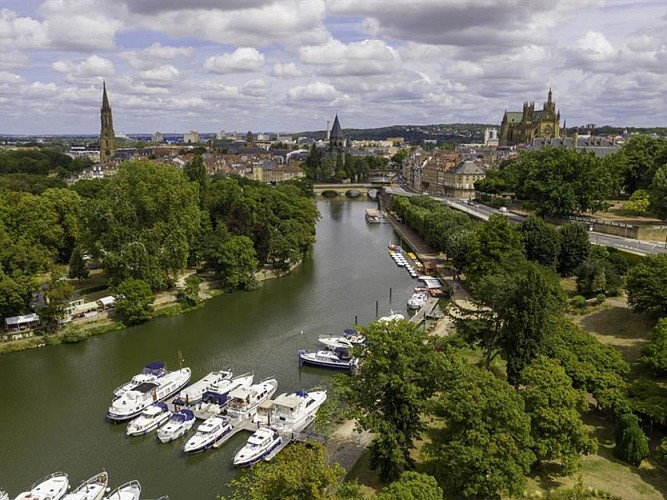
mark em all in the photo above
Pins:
pixel 347 190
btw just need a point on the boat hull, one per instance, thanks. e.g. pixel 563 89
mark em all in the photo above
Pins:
pixel 342 366
pixel 252 460
pixel 208 444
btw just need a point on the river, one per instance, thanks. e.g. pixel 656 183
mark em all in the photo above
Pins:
pixel 53 399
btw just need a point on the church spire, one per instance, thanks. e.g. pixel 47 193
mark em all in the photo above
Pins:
pixel 107 136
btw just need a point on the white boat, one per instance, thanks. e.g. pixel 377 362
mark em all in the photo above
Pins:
pixel 336 360
pixel 291 412
pixel 149 419
pixel 216 395
pixel 417 300
pixel 150 373
pixel 137 399
pixel 92 489
pixel 4 495
pixel 243 403
pixel 127 491
pixel 392 317
pixel 347 340
pixel 261 443
pixel 178 424
pixel 192 394
pixel 210 432
pixel 51 487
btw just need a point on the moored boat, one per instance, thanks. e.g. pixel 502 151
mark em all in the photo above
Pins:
pixel 216 395
pixel 128 491
pixel 210 432
pixel 178 424
pixel 392 317
pixel 137 399
pixel 417 300
pixel 150 373
pixel 92 489
pixel 149 419
pixel 291 412
pixel 243 402
pixel 261 443
pixel 336 360
pixel 4 495
pixel 347 340
pixel 52 487
pixel 192 394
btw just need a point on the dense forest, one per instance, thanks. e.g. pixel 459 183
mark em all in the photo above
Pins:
pixel 147 223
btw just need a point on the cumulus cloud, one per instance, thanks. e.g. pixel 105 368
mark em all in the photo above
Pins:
pixel 286 70
pixel 242 60
pixel 93 67
pixel 11 78
pixel 162 74
pixel 21 32
pixel 316 91
pixel 255 88
pixel 369 57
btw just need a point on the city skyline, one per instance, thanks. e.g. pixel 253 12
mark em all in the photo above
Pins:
pixel 291 65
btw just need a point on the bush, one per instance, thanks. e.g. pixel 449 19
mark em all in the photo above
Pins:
pixel 600 298
pixel 578 302
pixel 661 452
pixel 631 442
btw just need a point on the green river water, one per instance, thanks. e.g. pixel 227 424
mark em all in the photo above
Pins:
pixel 53 399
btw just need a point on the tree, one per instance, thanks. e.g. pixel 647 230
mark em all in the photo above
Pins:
pixel 654 352
pixel 134 301
pixel 631 442
pixel 647 285
pixel 541 241
pixel 658 192
pixel 189 294
pixel 236 262
pixel 390 391
pixel 78 269
pixel 511 314
pixel 598 274
pixel 555 410
pixel 195 171
pixel 484 448
pixel 15 293
pixel 144 224
pixel 574 248
pixel 412 486
pixel 638 202
pixel 56 297
pixel 594 367
pixel 299 471
pixel 499 246
pixel 648 400
pixel 638 160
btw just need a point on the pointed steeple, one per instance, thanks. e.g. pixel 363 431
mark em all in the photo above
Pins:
pixel 549 95
pixel 107 136
pixel 105 99
pixel 336 130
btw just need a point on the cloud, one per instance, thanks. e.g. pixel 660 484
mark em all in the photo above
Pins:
pixel 21 32
pixel 316 91
pixel 255 88
pixel 10 59
pixel 162 74
pixel 368 57
pixel 155 54
pixel 286 70
pixel 94 67
pixel 11 78
pixel 242 60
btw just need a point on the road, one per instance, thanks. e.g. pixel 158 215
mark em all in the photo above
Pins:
pixel 483 212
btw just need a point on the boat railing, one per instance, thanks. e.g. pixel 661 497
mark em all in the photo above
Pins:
pixel 46 478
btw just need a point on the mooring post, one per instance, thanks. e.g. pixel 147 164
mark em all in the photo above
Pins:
pixel 376 309
pixel 389 294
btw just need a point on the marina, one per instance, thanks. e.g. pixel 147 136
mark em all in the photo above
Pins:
pixel 235 330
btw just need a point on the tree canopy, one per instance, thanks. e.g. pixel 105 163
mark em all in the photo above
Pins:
pixel 647 285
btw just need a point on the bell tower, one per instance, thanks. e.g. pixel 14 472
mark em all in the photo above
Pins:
pixel 107 136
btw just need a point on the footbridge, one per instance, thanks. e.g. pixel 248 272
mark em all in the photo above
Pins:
pixel 347 190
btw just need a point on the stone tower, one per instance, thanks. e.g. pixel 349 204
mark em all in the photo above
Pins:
pixel 336 137
pixel 107 137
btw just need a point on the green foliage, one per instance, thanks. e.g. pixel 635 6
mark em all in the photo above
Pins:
pixel 638 202
pixel 134 301
pixel 631 442
pixel 541 241
pixel 236 263
pixel 16 292
pixel 574 248
pixel 56 298
pixel 195 171
pixel 578 302
pixel 555 410
pixel 511 314
pixel 78 269
pixel 389 392
pixel 638 160
pixel 144 223
pixel 598 275
pixel 654 352
pixel 661 452
pixel 658 192
pixel 648 399
pixel 558 181
pixel 484 449
pixel 647 285
pixel 41 162
pixel 412 486
pixel 299 472
pixel 189 294
pixel 29 183
pixel 600 298
pixel 594 367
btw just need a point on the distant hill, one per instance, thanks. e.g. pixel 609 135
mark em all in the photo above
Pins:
pixel 415 134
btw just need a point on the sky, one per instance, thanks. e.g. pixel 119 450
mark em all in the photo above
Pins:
pixel 291 65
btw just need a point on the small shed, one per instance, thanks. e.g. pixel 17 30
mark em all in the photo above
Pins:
pixel 19 323
pixel 84 309
pixel 105 303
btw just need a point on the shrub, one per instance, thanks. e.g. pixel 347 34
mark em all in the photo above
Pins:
pixel 600 298
pixel 578 302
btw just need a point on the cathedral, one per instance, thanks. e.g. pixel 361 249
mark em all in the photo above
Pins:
pixel 521 127
pixel 107 136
